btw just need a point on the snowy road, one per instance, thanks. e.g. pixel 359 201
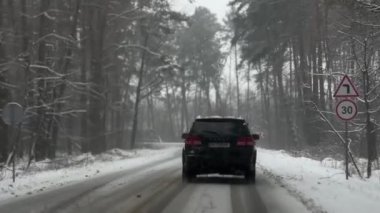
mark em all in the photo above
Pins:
pixel 158 187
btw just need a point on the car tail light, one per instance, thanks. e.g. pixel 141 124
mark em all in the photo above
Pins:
pixel 193 140
pixel 245 141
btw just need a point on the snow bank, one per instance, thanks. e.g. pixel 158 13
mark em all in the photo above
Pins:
pixel 321 185
pixel 46 174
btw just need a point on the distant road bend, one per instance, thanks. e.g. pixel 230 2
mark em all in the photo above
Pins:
pixel 158 187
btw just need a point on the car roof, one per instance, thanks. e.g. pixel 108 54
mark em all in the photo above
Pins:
pixel 219 118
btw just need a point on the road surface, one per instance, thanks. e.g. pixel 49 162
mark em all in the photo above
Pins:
pixel 158 187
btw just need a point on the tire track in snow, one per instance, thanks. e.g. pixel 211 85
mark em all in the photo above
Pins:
pixel 307 202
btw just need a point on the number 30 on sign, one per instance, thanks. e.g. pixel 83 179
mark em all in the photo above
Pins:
pixel 346 110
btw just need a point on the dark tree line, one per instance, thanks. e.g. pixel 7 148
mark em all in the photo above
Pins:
pixel 95 75
pixel 70 64
pixel 300 50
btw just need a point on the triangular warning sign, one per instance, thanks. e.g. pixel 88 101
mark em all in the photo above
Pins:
pixel 346 88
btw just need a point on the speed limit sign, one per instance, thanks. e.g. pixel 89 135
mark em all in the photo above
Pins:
pixel 346 110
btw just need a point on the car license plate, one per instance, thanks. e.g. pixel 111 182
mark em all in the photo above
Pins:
pixel 219 145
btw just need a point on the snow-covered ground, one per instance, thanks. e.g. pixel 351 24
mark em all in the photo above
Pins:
pixel 321 185
pixel 46 175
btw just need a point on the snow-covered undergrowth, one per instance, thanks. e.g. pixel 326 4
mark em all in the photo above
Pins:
pixel 322 185
pixel 49 174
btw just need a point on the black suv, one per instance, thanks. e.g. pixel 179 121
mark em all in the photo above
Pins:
pixel 219 145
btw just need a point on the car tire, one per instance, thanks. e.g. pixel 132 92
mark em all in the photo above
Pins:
pixel 253 176
pixel 250 176
pixel 187 174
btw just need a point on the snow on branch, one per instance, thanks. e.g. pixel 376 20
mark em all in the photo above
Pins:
pixel 39 67
pixel 8 85
pixel 153 88
pixel 69 112
pixel 47 78
pixel 151 83
pixel 121 15
pixel 369 6
pixel 327 112
pixel 352 37
pixel 46 14
pixel 373 89
pixel 139 47
pixel 54 35
pixel 44 105
pixel 367 24
pixel 374 110
pixel 85 88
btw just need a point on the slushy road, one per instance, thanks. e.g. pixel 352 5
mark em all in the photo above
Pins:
pixel 158 187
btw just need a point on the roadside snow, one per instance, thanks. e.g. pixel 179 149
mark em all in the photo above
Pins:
pixel 321 185
pixel 47 175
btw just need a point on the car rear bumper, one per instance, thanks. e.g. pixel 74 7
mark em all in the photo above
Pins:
pixel 219 162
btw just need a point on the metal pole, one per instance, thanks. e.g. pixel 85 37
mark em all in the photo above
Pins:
pixel 13 140
pixel 14 166
pixel 346 149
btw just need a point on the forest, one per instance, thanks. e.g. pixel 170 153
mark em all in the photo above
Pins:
pixel 93 75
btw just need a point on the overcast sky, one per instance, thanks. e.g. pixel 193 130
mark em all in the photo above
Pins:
pixel 219 7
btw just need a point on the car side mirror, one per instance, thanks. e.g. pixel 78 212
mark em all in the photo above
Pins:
pixel 185 135
pixel 256 136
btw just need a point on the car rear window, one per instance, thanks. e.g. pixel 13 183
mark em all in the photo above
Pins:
pixel 219 128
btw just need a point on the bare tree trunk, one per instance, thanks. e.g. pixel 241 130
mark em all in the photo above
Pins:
pixel 198 107
pixel 319 55
pixel 138 94
pixel 219 107
pixel 248 103
pixel 277 118
pixel 291 88
pixel 309 115
pixel 185 113
pixel 169 109
pixel 237 83
pixel 60 90
pixel 329 68
pixel 209 107
pixel 3 97
pixel 151 116
pixel 229 101
pixel 315 76
pixel 122 143
pixel 268 109
pixel 42 140
pixel 84 76
pixel 370 127
pixel 4 140
pixel 96 113
pixel 328 57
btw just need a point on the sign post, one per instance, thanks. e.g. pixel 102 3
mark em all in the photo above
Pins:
pixel 346 148
pixel 13 115
pixel 346 109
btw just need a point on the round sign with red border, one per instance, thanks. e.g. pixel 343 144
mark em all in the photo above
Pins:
pixel 346 109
